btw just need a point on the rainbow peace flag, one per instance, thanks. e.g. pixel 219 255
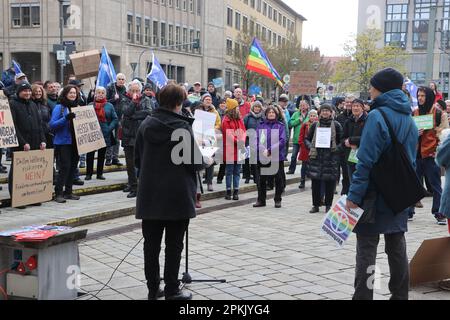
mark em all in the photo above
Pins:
pixel 259 62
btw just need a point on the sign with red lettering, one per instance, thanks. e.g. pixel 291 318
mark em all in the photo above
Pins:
pixel 32 177
pixel 8 136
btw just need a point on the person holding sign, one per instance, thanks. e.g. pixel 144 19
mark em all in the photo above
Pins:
pixel 108 121
pixel 65 143
pixel 353 129
pixel 429 133
pixel 28 123
pixel 324 140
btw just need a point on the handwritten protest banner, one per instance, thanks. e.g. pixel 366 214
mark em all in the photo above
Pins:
pixel 87 130
pixel 32 177
pixel 205 133
pixel 424 122
pixel 8 136
pixel 339 223
pixel 303 82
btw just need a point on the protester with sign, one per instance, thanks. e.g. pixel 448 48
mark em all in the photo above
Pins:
pixel 428 142
pixel 271 148
pixel 252 122
pixel 65 143
pixel 28 124
pixel 324 140
pixel 167 191
pixel 313 117
pixel 443 160
pixel 136 108
pixel 386 92
pixel 39 97
pixel 108 121
pixel 353 129
pixel 234 137
pixel 296 122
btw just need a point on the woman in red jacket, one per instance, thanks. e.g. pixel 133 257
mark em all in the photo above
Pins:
pixel 313 117
pixel 433 86
pixel 234 136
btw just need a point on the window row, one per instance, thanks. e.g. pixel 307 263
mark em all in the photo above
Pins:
pixel 237 49
pixel 185 5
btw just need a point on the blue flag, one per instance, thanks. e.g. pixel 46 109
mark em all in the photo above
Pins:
pixel 412 89
pixel 157 74
pixel 106 72
pixel 16 66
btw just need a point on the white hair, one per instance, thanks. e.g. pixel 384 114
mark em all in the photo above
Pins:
pixel 99 88
pixel 350 96
pixel 121 75
pixel 135 82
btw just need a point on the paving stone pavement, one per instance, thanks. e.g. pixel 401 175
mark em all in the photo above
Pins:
pixel 263 254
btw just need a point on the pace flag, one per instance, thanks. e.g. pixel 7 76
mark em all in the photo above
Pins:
pixel 259 62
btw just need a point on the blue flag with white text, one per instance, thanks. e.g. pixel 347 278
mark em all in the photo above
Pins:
pixel 106 71
pixel 17 68
pixel 157 74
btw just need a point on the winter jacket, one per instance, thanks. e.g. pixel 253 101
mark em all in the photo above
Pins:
pixel 265 142
pixel 218 124
pixel 374 142
pixel 244 108
pixel 234 137
pixel 28 123
pixel 215 99
pixel 110 125
pixel 325 166
pixel 133 115
pixel 52 102
pixel 61 127
pixel 443 160
pixel 118 104
pixel 166 190
pixel 353 131
pixel 296 123
pixel 46 115
pixel 304 150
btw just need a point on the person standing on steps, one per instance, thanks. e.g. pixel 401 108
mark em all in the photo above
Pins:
pixel 251 122
pixel 313 117
pixel 296 122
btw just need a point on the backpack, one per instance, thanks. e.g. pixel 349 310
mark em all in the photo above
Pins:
pixel 394 176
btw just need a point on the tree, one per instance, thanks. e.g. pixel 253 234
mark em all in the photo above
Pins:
pixel 366 58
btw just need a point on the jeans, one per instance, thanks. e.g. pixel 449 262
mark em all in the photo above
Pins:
pixel 83 158
pixel 304 170
pixel 351 170
pixel 209 175
pixel 366 255
pixel 280 183
pixel 67 162
pixel 295 151
pixel 153 232
pixel 233 175
pixel 100 162
pixel 317 192
pixel 428 168
pixel 131 170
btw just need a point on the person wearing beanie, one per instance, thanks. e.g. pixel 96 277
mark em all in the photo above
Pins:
pixel 387 95
pixel 27 122
pixel 214 95
pixel 231 104
pixel 148 92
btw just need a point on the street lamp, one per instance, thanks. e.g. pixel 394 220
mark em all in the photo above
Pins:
pixel 295 62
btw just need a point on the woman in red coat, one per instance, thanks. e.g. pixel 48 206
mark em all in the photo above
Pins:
pixel 304 151
pixel 234 136
pixel 438 95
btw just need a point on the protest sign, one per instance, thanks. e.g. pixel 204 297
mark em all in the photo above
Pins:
pixel 204 132
pixel 340 223
pixel 303 82
pixel 87 130
pixel 85 64
pixel 424 122
pixel 32 177
pixel 323 138
pixel 8 136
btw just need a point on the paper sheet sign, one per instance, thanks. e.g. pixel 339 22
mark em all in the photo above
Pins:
pixel 323 138
pixel 8 136
pixel 353 157
pixel 339 223
pixel 87 130
pixel 424 122
pixel 32 177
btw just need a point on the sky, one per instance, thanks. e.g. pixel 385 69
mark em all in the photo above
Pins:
pixel 330 23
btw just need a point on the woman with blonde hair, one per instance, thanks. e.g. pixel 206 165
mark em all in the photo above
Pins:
pixel 39 97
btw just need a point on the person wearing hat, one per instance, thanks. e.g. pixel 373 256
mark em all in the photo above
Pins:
pixel 27 122
pixel 387 95
pixel 324 158
pixel 214 95
pixel 12 89
pixel 197 90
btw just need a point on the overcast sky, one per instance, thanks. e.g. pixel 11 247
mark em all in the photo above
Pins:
pixel 330 23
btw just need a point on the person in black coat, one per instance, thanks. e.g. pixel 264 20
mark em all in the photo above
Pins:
pixel 324 162
pixel 39 97
pixel 27 122
pixel 167 189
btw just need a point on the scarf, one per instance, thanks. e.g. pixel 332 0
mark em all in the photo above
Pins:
pixel 324 123
pixel 100 110
pixel 257 115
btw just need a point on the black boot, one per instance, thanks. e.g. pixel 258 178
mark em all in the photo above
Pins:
pixel 236 195
pixel 302 184
pixel 315 210
pixel 228 196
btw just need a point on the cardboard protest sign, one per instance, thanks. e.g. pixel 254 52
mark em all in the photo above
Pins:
pixel 424 122
pixel 87 130
pixel 32 177
pixel 8 136
pixel 85 64
pixel 340 223
pixel 303 82
pixel 431 262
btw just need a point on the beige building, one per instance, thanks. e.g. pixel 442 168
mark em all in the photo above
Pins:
pixel 129 29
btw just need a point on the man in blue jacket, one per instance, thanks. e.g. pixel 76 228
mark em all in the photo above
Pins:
pixel 386 92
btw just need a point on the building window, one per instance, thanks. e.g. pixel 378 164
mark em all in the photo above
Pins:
pixel 177 4
pixel 444 76
pixel 228 84
pixel 147 35
pixel 252 28
pixel 236 77
pixel 198 37
pixel 25 15
pixel 130 28
pixel 171 35
pixel 258 30
pixel 265 9
pixel 163 34
pixel 238 21
pixel 420 34
pixel 185 38
pixel 155 39
pixel 396 26
pixel 418 78
pixel 275 15
pixel 270 12
pixel 178 37
pixel 138 30
pixel 229 17
pixel 422 9
pixel 263 33
pixel 180 75
pixel 252 4
pixel 191 6
pixel 191 39
pixel 229 47
pixel 237 49
pixel 258 5
pixel 245 24
pixel 199 7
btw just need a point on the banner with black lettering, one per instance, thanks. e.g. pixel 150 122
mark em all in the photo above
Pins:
pixel 8 136
pixel 87 130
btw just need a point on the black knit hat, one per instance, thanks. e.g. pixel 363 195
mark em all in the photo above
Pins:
pixel 325 106
pixel 387 79
pixel 24 85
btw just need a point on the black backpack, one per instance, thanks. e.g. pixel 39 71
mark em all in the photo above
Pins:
pixel 394 176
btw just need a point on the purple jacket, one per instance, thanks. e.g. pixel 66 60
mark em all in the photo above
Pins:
pixel 264 140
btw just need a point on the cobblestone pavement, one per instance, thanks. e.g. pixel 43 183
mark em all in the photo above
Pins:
pixel 262 253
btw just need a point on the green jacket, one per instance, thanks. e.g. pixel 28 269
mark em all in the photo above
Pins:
pixel 296 123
